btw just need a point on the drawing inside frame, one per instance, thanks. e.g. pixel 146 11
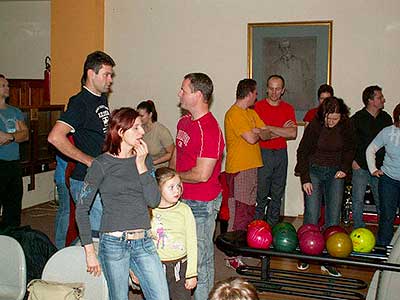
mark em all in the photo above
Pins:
pixel 298 51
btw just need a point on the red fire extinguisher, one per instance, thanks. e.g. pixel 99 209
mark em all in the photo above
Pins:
pixel 46 94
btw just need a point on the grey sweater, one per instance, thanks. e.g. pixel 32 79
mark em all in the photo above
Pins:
pixel 125 194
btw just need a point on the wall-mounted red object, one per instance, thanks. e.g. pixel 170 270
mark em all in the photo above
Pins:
pixel 47 78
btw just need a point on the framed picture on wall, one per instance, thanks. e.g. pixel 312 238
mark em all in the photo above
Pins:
pixel 298 51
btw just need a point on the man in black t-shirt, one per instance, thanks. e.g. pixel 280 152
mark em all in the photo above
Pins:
pixel 367 122
pixel 86 118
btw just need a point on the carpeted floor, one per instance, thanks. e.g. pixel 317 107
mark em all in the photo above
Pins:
pixel 42 217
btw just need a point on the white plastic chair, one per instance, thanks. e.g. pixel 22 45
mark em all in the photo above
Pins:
pixel 387 287
pixel 12 269
pixel 69 265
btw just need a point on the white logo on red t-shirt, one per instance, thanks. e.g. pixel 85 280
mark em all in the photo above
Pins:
pixel 182 137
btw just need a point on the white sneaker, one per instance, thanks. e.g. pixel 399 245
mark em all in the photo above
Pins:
pixel 331 270
pixel 234 262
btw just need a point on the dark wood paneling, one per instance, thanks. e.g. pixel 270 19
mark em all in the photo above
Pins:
pixel 37 155
pixel 27 93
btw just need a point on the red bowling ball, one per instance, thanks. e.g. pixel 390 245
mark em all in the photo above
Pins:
pixel 331 230
pixel 312 242
pixel 259 223
pixel 307 227
pixel 259 237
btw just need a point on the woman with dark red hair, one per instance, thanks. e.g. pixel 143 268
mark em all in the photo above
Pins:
pixel 324 158
pixel 389 175
pixel 124 176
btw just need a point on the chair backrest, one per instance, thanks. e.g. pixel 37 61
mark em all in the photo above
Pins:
pixel 387 287
pixel 12 269
pixel 69 265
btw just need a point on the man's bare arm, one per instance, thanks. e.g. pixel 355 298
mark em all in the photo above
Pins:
pixel 288 131
pixel 266 134
pixel 58 137
pixel 201 172
pixel 167 156
pixel 22 133
pixel 252 136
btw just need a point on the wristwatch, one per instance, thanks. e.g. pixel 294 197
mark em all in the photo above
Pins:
pixel 13 138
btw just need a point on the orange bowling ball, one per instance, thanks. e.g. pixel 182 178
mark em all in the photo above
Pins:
pixel 339 245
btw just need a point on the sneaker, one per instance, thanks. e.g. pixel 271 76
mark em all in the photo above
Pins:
pixel 331 270
pixel 234 262
pixel 134 285
pixel 301 265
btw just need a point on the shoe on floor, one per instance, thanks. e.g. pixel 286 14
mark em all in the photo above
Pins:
pixel 302 266
pixel 331 270
pixel 234 262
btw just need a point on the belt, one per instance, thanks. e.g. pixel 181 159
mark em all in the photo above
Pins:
pixel 174 261
pixel 129 235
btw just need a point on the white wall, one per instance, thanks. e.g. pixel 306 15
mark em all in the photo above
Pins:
pixel 43 192
pixel 25 41
pixel 156 42
pixel 25 38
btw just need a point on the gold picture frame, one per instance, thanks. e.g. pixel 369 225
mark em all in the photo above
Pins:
pixel 301 52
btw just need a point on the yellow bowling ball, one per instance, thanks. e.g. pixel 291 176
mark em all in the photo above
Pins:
pixel 363 240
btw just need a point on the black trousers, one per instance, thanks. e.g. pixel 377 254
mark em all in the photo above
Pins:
pixel 11 190
pixel 176 272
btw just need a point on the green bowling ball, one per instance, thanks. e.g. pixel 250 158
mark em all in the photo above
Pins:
pixel 283 226
pixel 285 240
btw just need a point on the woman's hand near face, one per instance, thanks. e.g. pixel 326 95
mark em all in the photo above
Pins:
pixel 141 154
pixel 308 188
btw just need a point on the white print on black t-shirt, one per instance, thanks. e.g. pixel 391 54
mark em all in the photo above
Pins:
pixel 104 114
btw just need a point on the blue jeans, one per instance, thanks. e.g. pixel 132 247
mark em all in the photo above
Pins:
pixel 324 183
pixel 96 211
pixel 359 183
pixel 62 216
pixel 118 255
pixel 205 214
pixel 271 181
pixel 389 191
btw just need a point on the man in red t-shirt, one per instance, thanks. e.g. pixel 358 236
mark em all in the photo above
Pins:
pixel 324 91
pixel 280 121
pixel 197 159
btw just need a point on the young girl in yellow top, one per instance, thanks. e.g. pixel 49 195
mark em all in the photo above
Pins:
pixel 174 226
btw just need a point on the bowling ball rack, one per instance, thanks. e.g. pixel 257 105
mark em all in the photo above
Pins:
pixel 299 283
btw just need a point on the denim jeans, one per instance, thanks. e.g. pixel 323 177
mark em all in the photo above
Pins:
pixel 62 216
pixel 271 181
pixel 96 211
pixel 359 183
pixel 118 255
pixel 389 191
pixel 205 214
pixel 324 183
